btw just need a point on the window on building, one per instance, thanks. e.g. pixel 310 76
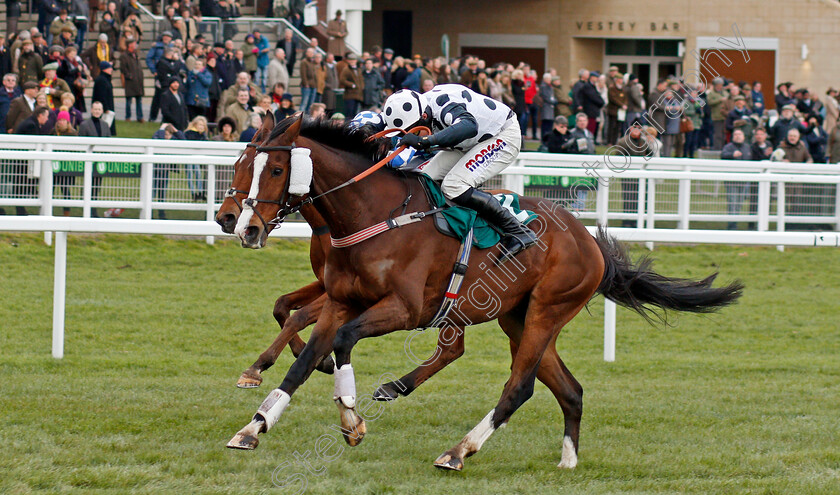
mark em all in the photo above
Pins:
pixel 627 46
pixel 666 48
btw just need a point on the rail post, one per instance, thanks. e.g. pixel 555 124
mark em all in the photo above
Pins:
pixel 609 330
pixel 59 291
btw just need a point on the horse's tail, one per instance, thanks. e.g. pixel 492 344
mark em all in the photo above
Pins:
pixel 639 288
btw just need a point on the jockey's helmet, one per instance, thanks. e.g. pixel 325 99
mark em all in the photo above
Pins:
pixel 404 109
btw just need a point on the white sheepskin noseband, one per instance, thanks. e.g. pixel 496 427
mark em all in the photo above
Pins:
pixel 301 174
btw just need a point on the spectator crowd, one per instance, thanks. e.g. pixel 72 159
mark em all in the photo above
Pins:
pixel 201 85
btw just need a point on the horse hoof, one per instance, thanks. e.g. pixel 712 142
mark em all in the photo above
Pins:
pixel 327 365
pixel 386 392
pixel 243 442
pixel 249 379
pixel 353 427
pixel 354 436
pixel 446 461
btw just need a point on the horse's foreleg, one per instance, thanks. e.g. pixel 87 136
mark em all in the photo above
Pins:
pixel 319 346
pixel 449 348
pixel 296 300
pixel 385 316
pixel 302 318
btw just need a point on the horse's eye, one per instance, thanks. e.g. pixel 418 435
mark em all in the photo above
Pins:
pixel 275 172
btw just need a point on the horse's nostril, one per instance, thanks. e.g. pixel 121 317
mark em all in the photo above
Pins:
pixel 252 233
pixel 227 222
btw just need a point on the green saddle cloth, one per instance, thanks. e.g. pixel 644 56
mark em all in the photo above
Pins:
pixel 461 219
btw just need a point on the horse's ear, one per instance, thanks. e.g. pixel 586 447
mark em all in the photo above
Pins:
pixel 265 129
pixel 293 131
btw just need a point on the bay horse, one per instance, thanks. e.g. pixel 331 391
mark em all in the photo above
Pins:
pixel 308 300
pixel 395 280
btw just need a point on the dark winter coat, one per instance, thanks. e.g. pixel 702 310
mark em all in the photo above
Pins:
pixel 132 74
pixel 103 91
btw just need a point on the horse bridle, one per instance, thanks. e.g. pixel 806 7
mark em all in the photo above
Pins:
pixel 286 208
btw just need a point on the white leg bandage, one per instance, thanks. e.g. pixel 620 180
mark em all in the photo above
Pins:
pixel 345 386
pixel 272 407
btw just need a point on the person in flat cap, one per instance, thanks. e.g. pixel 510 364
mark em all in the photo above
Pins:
pixel 558 137
pixel 337 32
pixel 739 118
pixel 53 86
pixel 103 90
pixel 30 64
pixel 784 123
pixel 21 107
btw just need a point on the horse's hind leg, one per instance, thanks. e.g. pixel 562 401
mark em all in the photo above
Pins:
pixel 302 318
pixel 554 375
pixel 569 394
pixel 449 348
pixel 542 324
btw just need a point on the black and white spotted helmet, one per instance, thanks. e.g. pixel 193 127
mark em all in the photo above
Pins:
pixel 403 109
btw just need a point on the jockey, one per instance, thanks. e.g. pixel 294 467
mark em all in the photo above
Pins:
pixel 482 138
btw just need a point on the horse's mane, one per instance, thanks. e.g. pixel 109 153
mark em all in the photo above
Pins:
pixel 336 135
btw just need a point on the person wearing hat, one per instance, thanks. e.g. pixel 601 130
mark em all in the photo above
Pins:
pixel 61 22
pixel 783 96
pixel 110 27
pixel 617 105
pixel 286 108
pixel 96 53
pixel 21 107
pixel 353 82
pixel 63 127
pixel 156 52
pixel 131 76
pixel 40 44
pixel 337 32
pixel 130 28
pixel 739 117
pixel 168 66
pixel 227 130
pixel 785 123
pixel 250 52
pixel 52 85
pixel 173 106
pixel 715 97
pixel 103 91
pixel 591 101
pixel 30 63
pixel 556 140
pixel 17 48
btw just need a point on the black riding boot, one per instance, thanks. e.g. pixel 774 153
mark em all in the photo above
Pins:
pixel 516 236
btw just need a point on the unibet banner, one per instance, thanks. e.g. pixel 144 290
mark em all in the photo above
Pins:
pixel 100 169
